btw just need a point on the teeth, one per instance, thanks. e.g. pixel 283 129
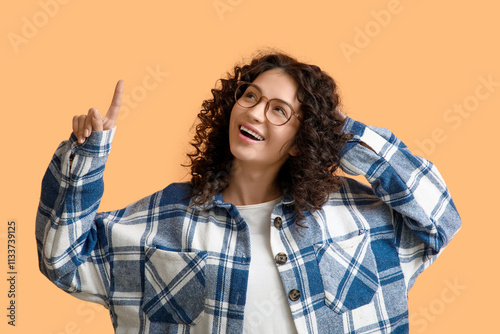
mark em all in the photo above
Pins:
pixel 253 134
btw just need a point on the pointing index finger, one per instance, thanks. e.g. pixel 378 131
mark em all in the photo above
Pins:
pixel 114 108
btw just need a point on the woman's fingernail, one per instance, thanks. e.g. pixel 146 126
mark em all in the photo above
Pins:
pixel 87 132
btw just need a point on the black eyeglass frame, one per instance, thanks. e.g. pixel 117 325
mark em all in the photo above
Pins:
pixel 240 83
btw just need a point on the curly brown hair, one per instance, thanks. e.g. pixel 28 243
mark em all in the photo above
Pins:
pixel 309 176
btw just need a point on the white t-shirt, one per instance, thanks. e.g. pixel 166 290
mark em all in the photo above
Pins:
pixel 267 309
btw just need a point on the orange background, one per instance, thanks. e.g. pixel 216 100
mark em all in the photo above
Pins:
pixel 400 64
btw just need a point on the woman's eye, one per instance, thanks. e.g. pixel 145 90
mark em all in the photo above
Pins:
pixel 250 96
pixel 280 110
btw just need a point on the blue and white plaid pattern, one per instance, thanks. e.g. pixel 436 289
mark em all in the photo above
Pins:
pixel 162 265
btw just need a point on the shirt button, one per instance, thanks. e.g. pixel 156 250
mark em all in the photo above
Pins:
pixel 278 222
pixel 349 136
pixel 294 295
pixel 281 258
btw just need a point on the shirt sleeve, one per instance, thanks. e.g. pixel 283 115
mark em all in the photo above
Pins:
pixel 425 218
pixel 66 233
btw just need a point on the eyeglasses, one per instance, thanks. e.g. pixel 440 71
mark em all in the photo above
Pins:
pixel 277 112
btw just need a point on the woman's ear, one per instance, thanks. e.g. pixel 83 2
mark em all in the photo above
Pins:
pixel 293 151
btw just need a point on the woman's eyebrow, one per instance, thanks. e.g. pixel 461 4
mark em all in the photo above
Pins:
pixel 254 84
pixel 260 90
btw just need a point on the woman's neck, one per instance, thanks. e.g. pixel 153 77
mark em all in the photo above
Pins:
pixel 249 186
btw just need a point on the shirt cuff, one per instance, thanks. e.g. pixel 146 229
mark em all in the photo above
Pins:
pixel 98 144
pixel 359 132
pixel 354 128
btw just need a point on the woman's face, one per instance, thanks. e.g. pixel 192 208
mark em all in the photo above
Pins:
pixel 273 145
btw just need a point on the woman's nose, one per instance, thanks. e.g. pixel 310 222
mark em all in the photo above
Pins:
pixel 258 111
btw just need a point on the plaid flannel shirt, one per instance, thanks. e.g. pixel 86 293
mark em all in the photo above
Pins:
pixel 162 265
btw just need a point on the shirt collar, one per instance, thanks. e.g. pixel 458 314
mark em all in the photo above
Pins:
pixel 218 201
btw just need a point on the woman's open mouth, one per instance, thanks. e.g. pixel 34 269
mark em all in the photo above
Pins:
pixel 250 134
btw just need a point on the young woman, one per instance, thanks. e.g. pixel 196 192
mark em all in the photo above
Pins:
pixel 267 237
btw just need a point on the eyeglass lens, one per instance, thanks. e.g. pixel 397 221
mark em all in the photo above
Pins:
pixel 277 111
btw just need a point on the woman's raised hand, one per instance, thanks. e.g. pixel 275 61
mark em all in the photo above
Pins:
pixel 83 125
